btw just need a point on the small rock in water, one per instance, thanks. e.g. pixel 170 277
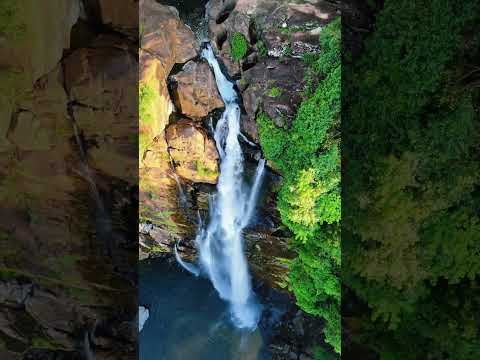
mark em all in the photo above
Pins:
pixel 143 314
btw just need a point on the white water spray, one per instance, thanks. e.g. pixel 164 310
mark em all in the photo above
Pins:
pixel 189 267
pixel 221 242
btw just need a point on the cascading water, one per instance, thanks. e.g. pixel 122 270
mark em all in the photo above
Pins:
pixel 221 242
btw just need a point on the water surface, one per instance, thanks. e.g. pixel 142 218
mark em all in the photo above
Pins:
pixel 188 321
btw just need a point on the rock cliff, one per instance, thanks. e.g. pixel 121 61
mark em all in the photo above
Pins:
pixel 68 256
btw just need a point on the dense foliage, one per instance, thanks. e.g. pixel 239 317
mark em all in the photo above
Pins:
pixel 308 156
pixel 239 46
pixel 411 236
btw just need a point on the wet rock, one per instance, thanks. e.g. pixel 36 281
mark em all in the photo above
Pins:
pixel 305 357
pixel 298 324
pixel 195 90
pixel 193 151
pixel 248 126
pixel 14 293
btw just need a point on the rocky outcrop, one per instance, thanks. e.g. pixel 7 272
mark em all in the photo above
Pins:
pixel 193 152
pixel 278 33
pixel 164 35
pixel 195 91
pixel 275 88
pixel 165 41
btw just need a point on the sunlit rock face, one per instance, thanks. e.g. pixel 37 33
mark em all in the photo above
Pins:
pixel 193 151
pixel 165 41
pixel 195 91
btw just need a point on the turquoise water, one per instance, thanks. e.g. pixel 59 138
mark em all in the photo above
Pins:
pixel 188 321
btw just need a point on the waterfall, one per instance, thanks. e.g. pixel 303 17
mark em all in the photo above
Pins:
pixel 220 243
pixel 189 267
pixel 143 315
pixel 182 198
pixel 87 350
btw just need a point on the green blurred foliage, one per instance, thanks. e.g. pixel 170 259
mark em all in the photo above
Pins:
pixel 411 235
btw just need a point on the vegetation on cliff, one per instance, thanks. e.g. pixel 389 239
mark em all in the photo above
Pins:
pixel 308 156
pixel 239 46
pixel 410 240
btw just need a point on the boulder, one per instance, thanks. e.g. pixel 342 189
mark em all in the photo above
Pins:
pixel 248 126
pixel 195 90
pixel 193 152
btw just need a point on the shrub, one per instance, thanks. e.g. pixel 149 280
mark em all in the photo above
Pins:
pixel 147 98
pixel 274 92
pixel 239 46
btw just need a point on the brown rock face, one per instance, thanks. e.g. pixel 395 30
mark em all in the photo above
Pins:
pixel 195 90
pixel 274 87
pixel 164 35
pixel 194 153
pixel 34 52
pixel 165 41
pixel 45 208
pixel 120 14
pixel 101 79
